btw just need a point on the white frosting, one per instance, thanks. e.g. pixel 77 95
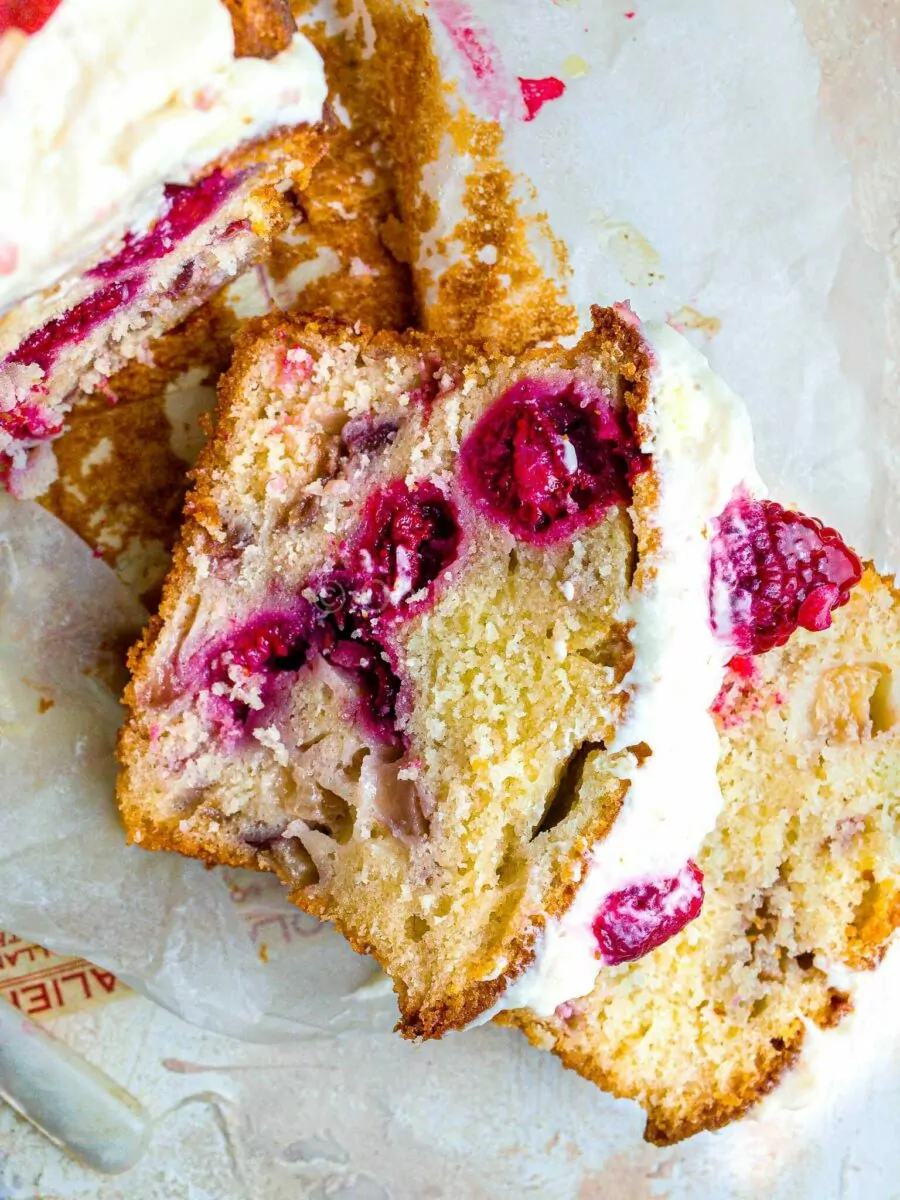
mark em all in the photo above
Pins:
pixel 699 435
pixel 110 100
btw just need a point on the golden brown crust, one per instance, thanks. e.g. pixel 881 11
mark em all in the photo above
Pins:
pixel 509 298
pixel 286 155
pixel 749 1084
pixel 262 28
pixel 665 1126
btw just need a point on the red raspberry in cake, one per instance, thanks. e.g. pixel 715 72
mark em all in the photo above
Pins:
pixel 42 347
pixel 188 206
pixel 271 641
pixel 27 421
pixel 406 537
pixel 639 918
pixel 773 570
pixel 547 459
pixel 367 664
pixel 239 669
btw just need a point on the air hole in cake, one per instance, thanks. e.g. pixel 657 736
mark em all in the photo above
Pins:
pixel 353 769
pixel 564 796
pixel 774 570
pixel 758 1007
pixel 308 745
pixel 338 815
pixel 189 206
pixel 395 798
pixel 615 652
pixel 416 928
pixel 549 457
pixel 639 918
pixel 884 703
pixel 260 835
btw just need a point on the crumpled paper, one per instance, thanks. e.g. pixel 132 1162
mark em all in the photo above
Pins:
pixel 687 166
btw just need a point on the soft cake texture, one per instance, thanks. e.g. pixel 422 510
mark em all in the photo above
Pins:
pixel 800 876
pixel 438 833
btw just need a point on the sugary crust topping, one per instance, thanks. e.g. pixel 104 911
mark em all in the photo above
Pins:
pixel 262 28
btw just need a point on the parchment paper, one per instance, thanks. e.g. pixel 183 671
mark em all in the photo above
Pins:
pixel 689 167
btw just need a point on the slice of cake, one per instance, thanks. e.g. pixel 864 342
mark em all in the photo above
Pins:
pixel 437 648
pixel 148 159
pixel 801 884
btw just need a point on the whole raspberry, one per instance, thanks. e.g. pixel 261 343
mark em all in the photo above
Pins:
pixel 547 458
pixel 27 15
pixel 637 919
pixel 772 570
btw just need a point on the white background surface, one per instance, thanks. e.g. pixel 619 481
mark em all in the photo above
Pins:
pixel 698 125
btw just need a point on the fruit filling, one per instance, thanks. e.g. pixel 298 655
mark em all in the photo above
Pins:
pixel 188 206
pixel 240 668
pixel 639 918
pixel 773 570
pixel 407 536
pixel 42 346
pixel 366 435
pixel 550 457
pixel 28 421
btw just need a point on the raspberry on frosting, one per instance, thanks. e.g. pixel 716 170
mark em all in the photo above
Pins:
pixel 773 570
pixel 643 916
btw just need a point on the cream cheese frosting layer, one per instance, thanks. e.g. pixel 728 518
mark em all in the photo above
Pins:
pixel 110 101
pixel 699 435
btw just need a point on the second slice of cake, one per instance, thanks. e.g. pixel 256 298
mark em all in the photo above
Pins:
pixel 439 646
pixel 149 155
